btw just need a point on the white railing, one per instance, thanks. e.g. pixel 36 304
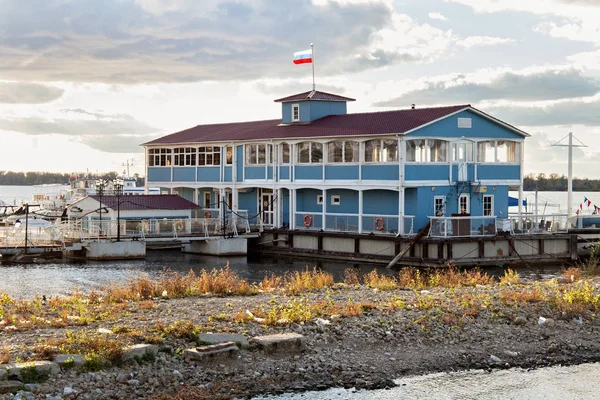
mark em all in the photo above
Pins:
pixel 462 226
pixel 11 237
pixel 377 224
pixel 535 223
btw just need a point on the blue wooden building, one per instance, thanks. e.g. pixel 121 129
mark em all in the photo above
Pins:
pixel 321 168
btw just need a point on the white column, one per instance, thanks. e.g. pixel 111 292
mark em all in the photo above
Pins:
pixel 323 225
pixel 360 211
pixel 520 205
pixel 401 210
pixel 146 185
pixel 401 165
pixel 292 208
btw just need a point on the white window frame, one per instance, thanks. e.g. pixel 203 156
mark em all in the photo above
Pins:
pixel 344 144
pixel 310 153
pixel 467 203
pixel 491 197
pixel 214 153
pixel 335 200
pixel 295 118
pixel 435 200
pixel 319 199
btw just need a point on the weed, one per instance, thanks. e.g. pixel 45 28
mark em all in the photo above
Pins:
pixel 4 356
pixel 270 283
pixel 297 282
pixel 510 277
pixel 352 276
pixel 380 281
pixel 572 274
pixel 92 362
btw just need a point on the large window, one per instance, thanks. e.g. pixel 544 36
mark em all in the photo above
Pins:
pixel 229 155
pixel 488 205
pixel 184 156
pixel 426 150
pixel 285 153
pixel 310 152
pixel 258 154
pixel 379 150
pixel 210 155
pixel 498 151
pixel 159 157
pixel 342 151
pixel 462 151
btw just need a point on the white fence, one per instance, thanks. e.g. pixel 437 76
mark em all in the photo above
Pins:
pixel 462 226
pixel 376 224
pixel 535 223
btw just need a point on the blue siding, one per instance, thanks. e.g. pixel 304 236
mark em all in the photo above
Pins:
pixel 285 193
pixel 249 201
pixel 209 174
pixel 341 172
pixel 269 172
pixel 498 171
pixel 240 163
pixel 159 174
pixel 311 110
pixel 306 200
pixel 424 172
pixel 308 172
pixel 348 201
pixel 481 128
pixel 470 172
pixel 184 174
pixel 320 109
pixel 380 172
pixel 186 193
pixel 228 172
pixel 255 173
pixel 284 173
pixel 380 202
pixel 411 206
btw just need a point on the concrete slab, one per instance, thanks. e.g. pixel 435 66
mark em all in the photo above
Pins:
pixel 10 386
pixel 69 360
pixel 47 368
pixel 139 350
pixel 207 353
pixel 279 342
pixel 214 338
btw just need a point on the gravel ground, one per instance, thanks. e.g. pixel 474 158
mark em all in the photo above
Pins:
pixel 366 351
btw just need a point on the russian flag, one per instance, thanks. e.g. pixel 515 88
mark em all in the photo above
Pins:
pixel 303 57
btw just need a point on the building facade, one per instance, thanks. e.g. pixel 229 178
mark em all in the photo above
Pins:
pixel 319 167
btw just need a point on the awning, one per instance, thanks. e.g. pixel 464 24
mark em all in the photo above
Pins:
pixel 513 202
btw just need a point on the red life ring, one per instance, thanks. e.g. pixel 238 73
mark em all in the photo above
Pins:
pixel 207 214
pixel 379 223
pixel 179 226
pixel 307 220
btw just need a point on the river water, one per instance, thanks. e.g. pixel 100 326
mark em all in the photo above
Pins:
pixel 555 383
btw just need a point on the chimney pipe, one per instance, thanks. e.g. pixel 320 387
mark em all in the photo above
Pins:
pixel 412 106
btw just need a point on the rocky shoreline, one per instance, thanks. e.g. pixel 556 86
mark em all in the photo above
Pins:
pixel 375 336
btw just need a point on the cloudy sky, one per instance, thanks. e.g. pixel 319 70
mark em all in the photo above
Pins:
pixel 84 82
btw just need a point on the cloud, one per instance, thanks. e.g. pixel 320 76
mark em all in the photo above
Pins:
pixel 185 40
pixel 544 85
pixel 287 88
pixel 564 113
pixel 481 41
pixel 115 133
pixel 437 16
pixel 28 93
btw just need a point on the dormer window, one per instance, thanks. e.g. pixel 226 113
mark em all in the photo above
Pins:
pixel 295 112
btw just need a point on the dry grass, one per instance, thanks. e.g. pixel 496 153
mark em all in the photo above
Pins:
pixel 572 274
pixel 105 349
pixel 510 277
pixel 522 296
pixel 4 356
pixel 380 281
pixel 578 299
pixel 352 276
pixel 296 282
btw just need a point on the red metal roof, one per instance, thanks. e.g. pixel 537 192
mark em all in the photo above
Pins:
pixel 148 202
pixel 372 123
pixel 313 95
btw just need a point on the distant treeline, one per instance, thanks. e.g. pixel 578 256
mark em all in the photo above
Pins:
pixel 558 183
pixel 47 178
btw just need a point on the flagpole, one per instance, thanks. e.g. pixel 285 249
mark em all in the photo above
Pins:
pixel 313 63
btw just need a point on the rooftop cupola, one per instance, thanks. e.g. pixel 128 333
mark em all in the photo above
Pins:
pixel 303 108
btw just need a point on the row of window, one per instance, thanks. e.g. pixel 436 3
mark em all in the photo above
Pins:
pixel 435 150
pixel 345 151
pixel 439 205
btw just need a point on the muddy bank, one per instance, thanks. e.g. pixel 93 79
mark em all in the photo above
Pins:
pixel 355 336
